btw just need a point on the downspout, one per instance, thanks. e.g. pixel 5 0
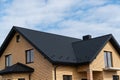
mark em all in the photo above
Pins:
pixel 55 70
pixel 30 76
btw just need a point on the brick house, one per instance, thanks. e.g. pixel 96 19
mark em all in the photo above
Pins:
pixel 33 55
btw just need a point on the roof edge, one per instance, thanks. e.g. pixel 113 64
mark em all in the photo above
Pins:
pixel 7 40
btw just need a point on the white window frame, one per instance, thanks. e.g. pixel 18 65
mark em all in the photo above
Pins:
pixel 108 59
pixel 30 56
pixel 8 60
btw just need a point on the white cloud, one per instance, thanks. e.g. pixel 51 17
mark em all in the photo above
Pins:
pixel 68 17
pixel 29 13
pixel 32 12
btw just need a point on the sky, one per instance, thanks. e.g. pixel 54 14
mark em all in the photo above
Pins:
pixel 74 18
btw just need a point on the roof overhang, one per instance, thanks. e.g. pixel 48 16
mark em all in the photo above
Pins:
pixel 17 68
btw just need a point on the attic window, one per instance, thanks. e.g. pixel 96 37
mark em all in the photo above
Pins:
pixel 18 38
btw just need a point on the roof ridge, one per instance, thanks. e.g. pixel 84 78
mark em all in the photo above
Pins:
pixel 110 35
pixel 15 27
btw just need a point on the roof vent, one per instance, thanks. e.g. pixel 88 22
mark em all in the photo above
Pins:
pixel 87 37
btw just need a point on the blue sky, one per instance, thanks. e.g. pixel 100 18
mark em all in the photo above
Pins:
pixel 73 18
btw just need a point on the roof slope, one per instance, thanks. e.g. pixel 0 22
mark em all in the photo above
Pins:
pixel 87 50
pixel 60 49
pixel 17 68
pixel 56 48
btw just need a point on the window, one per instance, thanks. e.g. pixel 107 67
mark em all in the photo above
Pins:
pixel 18 38
pixel 8 60
pixel 67 77
pixel 29 56
pixel 21 79
pixel 108 59
pixel 115 77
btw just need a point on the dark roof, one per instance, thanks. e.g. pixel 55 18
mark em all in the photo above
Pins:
pixel 55 48
pixel 61 49
pixel 17 68
pixel 87 50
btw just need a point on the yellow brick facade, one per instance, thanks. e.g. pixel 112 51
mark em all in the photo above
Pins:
pixel 15 76
pixel 44 70
pixel 69 70
pixel 98 63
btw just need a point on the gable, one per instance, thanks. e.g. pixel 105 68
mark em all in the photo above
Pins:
pixel 56 48
pixel 99 64
pixel 17 51
pixel 87 50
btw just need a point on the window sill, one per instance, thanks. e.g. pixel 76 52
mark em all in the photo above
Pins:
pixel 112 69
pixel 29 62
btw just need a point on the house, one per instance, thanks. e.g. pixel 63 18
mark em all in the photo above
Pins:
pixel 33 55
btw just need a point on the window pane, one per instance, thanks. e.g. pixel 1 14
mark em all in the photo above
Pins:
pixel 70 78
pixel 109 60
pixel 67 77
pixel 18 38
pixel 105 59
pixel 21 79
pixel 115 77
pixel 8 60
pixel 29 56
pixel 32 55
pixel 64 77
